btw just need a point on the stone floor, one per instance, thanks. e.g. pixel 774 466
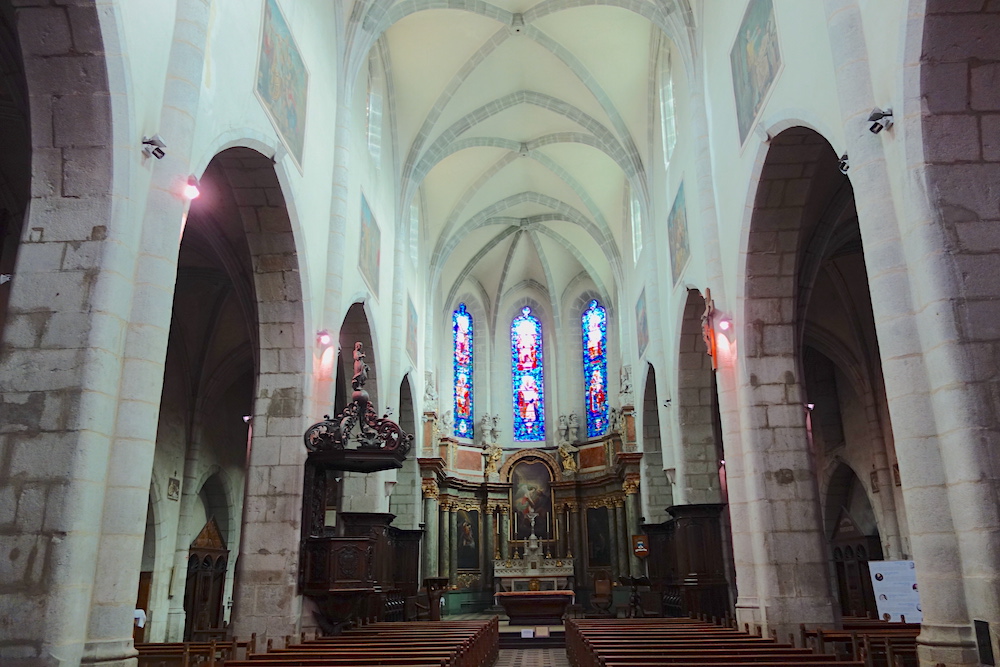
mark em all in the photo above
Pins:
pixel 533 657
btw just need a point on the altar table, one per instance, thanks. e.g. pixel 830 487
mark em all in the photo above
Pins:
pixel 535 607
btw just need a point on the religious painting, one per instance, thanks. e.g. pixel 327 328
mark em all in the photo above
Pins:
pixel 467 523
pixel 411 330
pixel 598 537
pixel 282 81
pixel 461 330
pixel 531 495
pixel 595 367
pixel 677 233
pixel 755 61
pixel 526 373
pixel 370 253
pixel 641 323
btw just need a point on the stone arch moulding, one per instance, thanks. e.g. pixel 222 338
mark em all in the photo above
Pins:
pixel 526 454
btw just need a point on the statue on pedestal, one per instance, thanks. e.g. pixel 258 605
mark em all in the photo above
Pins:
pixel 430 394
pixel 574 428
pixel 625 386
pixel 567 458
pixel 493 454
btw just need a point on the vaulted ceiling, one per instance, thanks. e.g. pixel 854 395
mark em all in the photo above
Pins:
pixel 522 127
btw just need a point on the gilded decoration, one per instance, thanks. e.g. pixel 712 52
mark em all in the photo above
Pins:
pixel 548 459
pixel 603 501
pixel 631 484
pixel 429 487
pixel 467 580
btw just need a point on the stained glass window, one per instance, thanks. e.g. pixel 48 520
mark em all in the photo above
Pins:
pixel 461 324
pixel 528 380
pixel 595 367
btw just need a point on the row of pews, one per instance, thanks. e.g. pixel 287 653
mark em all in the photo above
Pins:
pixel 194 653
pixel 413 644
pixel 682 642
pixel 877 643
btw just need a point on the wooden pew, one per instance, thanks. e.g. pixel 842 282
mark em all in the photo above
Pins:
pixel 681 643
pixel 409 644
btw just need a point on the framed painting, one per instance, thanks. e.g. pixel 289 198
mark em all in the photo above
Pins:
pixel 755 61
pixel 370 252
pixel 531 492
pixel 677 233
pixel 598 537
pixel 641 322
pixel 467 539
pixel 282 81
pixel 411 330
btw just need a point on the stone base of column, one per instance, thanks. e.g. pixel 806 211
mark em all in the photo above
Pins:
pixel 118 653
pixel 786 615
pixel 748 613
pixel 948 645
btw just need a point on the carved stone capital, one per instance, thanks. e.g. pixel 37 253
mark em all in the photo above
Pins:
pixel 429 487
pixel 631 484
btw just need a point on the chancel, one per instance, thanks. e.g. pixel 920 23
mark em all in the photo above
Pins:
pixel 389 329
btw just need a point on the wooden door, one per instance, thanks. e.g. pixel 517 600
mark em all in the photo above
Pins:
pixel 142 602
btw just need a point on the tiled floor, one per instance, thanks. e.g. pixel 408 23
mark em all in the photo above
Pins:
pixel 534 657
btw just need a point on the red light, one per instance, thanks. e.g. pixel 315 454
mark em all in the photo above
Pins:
pixel 191 189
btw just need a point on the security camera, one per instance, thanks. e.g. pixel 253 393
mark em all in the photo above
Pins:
pixel 880 120
pixel 844 163
pixel 153 146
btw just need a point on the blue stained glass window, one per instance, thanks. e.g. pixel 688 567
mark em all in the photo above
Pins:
pixel 528 380
pixel 461 324
pixel 595 367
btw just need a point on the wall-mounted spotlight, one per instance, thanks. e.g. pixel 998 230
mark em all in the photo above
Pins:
pixel 725 324
pixel 192 189
pixel 247 418
pixel 880 120
pixel 6 277
pixel 153 146
pixel 323 338
pixel 843 164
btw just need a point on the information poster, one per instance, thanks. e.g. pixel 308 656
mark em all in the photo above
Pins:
pixel 894 583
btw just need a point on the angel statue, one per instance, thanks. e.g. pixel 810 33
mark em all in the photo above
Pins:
pixel 493 454
pixel 567 458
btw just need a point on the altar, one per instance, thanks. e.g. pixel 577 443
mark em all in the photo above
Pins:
pixel 534 589
pixel 535 607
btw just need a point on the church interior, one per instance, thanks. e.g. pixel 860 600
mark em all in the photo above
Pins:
pixel 322 313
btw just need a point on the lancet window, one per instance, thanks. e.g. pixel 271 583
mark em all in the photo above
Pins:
pixel 461 324
pixel 528 377
pixel 595 367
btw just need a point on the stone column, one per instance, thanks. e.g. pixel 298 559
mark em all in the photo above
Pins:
pixel 489 546
pixel 453 544
pixel 631 488
pixel 504 531
pixel 429 489
pixel 615 528
pixel 444 529
pixel 576 539
pixel 941 413
pixel 624 539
